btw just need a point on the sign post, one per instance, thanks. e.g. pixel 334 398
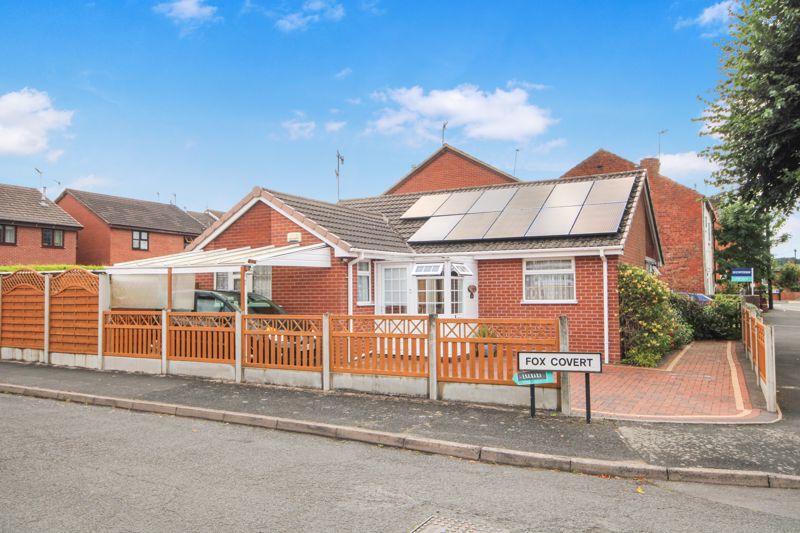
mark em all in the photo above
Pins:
pixel 548 362
pixel 532 379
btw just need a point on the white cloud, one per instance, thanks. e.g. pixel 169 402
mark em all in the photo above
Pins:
pixel 353 101
pixel 686 165
pixel 312 12
pixel 342 74
pixel 549 146
pixel 90 182
pixel 54 155
pixel 26 119
pixel 335 125
pixel 188 14
pixel 714 18
pixel 498 115
pixel 372 7
pixel 297 128
pixel 528 86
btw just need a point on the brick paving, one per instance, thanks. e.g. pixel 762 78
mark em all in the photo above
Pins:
pixel 696 385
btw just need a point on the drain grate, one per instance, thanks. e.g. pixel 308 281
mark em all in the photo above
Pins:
pixel 446 524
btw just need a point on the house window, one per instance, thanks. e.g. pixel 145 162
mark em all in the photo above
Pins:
pixel 364 271
pixel 221 281
pixel 428 269
pixel 262 280
pixel 52 238
pixel 549 281
pixel 141 240
pixel 395 295
pixel 8 234
pixel 456 295
pixel 430 296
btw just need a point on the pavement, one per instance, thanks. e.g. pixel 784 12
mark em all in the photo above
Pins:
pixel 757 448
pixel 703 383
pixel 70 467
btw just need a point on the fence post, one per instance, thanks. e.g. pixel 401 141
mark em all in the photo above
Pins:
pixel 563 346
pixel 102 304
pixel 46 351
pixel 164 367
pixel 433 383
pixel 326 351
pixel 769 365
pixel 238 345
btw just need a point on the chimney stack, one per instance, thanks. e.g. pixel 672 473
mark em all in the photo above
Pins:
pixel 652 165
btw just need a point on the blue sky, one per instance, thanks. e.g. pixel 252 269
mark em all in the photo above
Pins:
pixel 205 99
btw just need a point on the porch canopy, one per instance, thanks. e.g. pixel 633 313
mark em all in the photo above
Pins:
pixel 224 260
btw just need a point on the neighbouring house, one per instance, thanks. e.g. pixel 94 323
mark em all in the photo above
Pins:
pixel 685 221
pixel 34 230
pixel 119 229
pixel 513 250
pixel 207 217
pixel 450 168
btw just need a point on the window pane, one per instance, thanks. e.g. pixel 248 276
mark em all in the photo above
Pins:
pixel 10 235
pixel 550 286
pixel 456 302
pixel 395 298
pixel 549 264
pixel 262 280
pixel 363 288
pixel 430 296
pixel 363 267
pixel 47 237
pixel 58 239
pixel 221 281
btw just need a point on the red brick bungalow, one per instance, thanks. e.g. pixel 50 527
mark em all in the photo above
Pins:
pixel 685 222
pixel 117 229
pixel 534 249
pixel 34 230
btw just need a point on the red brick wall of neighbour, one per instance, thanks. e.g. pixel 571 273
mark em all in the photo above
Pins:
pixel 500 286
pixel 121 246
pixel 95 237
pixel 259 226
pixel 600 162
pixel 449 171
pixel 679 215
pixel 639 243
pixel 29 250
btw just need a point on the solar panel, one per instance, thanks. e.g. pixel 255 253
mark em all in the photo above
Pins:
pixel 458 203
pixel 472 227
pixel 425 206
pixel 553 221
pixel 493 200
pixel 610 191
pixel 530 197
pixel 436 228
pixel 599 218
pixel 568 194
pixel 511 223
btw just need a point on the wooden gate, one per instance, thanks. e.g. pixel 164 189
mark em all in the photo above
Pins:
pixel 73 312
pixel 22 318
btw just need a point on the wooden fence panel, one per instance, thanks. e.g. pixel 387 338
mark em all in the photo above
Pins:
pixel 73 312
pixel 485 350
pixel 380 344
pixel 22 318
pixel 132 334
pixel 291 342
pixel 761 346
pixel 202 337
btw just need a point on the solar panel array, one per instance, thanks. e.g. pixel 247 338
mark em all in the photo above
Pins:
pixel 570 208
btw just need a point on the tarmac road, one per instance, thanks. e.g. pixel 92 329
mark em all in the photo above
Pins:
pixel 67 467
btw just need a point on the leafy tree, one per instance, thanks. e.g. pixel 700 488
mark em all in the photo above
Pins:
pixel 789 276
pixel 756 112
pixel 745 236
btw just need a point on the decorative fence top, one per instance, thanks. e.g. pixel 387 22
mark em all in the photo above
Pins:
pixel 542 330
pixel 75 278
pixel 380 324
pixel 132 318
pixel 23 278
pixel 202 320
pixel 283 324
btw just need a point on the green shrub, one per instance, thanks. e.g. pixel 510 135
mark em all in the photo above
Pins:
pixel 650 326
pixel 789 277
pixel 720 319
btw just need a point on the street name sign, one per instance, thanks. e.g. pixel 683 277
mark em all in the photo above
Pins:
pixel 534 378
pixel 561 361
pixel 742 275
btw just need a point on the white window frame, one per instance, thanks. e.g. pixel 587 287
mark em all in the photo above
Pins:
pixel 547 302
pixel 461 269
pixel 427 291
pixel 428 270
pixel 405 291
pixel 367 274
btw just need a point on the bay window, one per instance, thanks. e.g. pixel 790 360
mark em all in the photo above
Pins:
pixel 430 296
pixel 549 281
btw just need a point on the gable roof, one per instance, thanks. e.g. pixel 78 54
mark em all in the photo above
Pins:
pixel 446 148
pixel 207 217
pixel 600 162
pixel 120 212
pixel 29 205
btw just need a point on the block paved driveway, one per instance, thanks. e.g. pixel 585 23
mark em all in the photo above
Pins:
pixel 705 382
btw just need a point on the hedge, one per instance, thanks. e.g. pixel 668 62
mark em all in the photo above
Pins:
pixel 720 319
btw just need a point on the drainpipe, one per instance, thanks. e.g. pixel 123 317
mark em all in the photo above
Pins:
pixel 605 304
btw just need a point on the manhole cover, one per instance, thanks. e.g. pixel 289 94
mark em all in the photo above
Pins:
pixel 444 524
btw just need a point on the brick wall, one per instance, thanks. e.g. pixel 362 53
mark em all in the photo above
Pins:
pixel 29 250
pixel 121 245
pixel 500 294
pixel 259 226
pixel 95 237
pixel 639 243
pixel 449 170
pixel 679 215
pixel 600 162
